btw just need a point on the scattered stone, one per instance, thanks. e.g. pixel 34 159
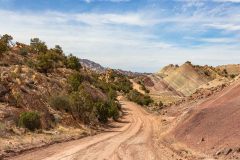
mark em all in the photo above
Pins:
pixel 227 151
pixel 24 89
pixel 218 153
pixel 30 82
pixel 3 90
pixel 57 118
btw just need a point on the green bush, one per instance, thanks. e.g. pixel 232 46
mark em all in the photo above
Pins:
pixel 111 93
pixel 44 63
pixel 48 61
pixel 30 120
pixel 58 49
pixel 102 111
pixel 3 47
pixel 144 88
pixel 72 62
pixel 113 110
pixel 123 84
pixel 38 46
pixel 107 110
pixel 86 109
pixel 5 43
pixel 23 51
pixel 60 103
pixel 75 80
pixel 139 98
pixel 232 76
pixel 119 82
pixel 31 64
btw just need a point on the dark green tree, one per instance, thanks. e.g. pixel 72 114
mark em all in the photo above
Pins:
pixel 38 46
pixel 72 62
pixel 75 80
pixel 30 120
pixel 5 41
pixel 58 49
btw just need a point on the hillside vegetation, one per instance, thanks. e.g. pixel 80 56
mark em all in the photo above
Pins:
pixel 42 88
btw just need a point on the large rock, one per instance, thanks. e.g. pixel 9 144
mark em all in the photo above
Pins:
pixel 3 90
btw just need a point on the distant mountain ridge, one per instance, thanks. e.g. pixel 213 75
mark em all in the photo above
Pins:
pixel 92 65
pixel 88 64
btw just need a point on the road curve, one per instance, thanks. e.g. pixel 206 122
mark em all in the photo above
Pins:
pixel 131 138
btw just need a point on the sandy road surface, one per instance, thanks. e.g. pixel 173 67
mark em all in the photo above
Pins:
pixel 131 138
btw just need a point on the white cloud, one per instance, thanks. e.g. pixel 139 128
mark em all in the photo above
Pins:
pixel 89 1
pixel 101 19
pixel 128 40
pixel 233 1
pixel 199 2
pixel 229 27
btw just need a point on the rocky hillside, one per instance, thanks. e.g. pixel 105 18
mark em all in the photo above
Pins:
pixel 158 88
pixel 212 126
pixel 174 83
pixel 42 89
pixel 232 69
pixel 187 78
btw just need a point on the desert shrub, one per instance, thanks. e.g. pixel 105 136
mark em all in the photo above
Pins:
pixel 60 103
pixel 120 82
pixel 232 76
pixel 30 120
pixel 31 64
pixel 107 110
pixel 160 104
pixel 72 62
pixel 44 63
pixel 139 98
pixel 102 111
pixel 38 46
pixel 23 51
pixel 113 110
pixel 111 93
pixel 144 88
pixel 123 85
pixel 83 106
pixel 207 73
pixel 58 49
pixel 48 61
pixel 112 82
pixel 75 80
pixel 3 47
pixel 225 72
pixel 5 43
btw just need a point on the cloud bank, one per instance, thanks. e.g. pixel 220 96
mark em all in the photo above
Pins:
pixel 140 41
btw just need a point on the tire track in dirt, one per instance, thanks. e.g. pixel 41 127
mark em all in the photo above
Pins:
pixel 131 138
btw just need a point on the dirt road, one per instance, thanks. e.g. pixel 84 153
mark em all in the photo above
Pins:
pixel 131 138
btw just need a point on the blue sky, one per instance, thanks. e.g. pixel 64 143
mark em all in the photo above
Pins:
pixel 137 35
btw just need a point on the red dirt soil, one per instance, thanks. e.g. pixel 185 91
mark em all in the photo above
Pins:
pixel 214 125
